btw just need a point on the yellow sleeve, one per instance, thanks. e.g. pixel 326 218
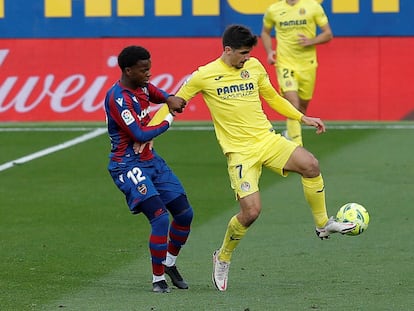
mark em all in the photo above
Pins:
pixel 191 87
pixel 320 17
pixel 268 19
pixel 159 115
pixel 283 106
pixel 187 91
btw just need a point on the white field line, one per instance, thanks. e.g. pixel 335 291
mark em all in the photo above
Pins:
pixel 52 149
pixel 46 129
pixel 176 127
pixel 208 127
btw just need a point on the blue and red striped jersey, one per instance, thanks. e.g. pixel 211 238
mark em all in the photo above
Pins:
pixel 127 116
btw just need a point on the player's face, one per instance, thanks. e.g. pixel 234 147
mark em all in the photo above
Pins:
pixel 140 73
pixel 238 57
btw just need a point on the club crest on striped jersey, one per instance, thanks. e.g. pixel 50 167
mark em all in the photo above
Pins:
pixel 142 189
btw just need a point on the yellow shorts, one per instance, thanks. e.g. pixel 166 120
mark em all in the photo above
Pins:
pixel 245 168
pixel 302 81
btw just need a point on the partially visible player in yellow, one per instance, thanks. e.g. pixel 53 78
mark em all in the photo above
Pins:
pixel 232 86
pixel 295 23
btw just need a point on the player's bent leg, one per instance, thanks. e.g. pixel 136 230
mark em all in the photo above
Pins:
pixel 234 233
pixel 236 229
pixel 221 257
pixel 182 214
pixel 250 208
pixel 304 163
pixel 157 215
pixel 238 225
pixel 314 192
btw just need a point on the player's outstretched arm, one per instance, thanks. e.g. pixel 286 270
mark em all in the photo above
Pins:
pixel 163 114
pixel 160 115
pixel 174 104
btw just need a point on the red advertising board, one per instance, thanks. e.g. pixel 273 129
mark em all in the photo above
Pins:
pixel 66 79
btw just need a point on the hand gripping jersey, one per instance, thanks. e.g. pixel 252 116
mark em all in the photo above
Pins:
pixel 127 114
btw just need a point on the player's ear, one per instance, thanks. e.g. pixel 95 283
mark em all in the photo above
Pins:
pixel 227 49
pixel 127 70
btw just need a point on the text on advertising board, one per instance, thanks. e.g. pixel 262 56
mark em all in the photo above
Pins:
pixel 95 8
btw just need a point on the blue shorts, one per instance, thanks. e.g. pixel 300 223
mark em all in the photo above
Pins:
pixel 140 180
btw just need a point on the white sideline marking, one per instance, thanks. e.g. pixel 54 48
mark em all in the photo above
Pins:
pixel 177 127
pixel 209 127
pixel 45 129
pixel 52 149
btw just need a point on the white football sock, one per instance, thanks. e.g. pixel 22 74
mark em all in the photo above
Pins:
pixel 157 278
pixel 170 260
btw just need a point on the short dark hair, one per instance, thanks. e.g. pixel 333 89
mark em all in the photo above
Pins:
pixel 238 36
pixel 130 55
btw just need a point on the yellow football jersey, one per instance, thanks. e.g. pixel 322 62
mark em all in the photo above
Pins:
pixel 290 21
pixel 233 98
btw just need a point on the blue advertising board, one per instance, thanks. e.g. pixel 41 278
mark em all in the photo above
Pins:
pixel 186 18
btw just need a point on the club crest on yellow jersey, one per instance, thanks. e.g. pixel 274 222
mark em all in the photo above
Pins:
pixel 245 74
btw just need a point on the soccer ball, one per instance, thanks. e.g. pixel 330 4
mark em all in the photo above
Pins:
pixel 356 213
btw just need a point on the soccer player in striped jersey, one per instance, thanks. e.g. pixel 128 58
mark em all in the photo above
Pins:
pixel 295 23
pixel 231 86
pixel 149 185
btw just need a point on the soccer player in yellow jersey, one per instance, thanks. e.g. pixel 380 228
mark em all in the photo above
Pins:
pixel 295 23
pixel 231 86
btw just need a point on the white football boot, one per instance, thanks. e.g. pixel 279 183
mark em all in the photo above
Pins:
pixel 333 226
pixel 220 272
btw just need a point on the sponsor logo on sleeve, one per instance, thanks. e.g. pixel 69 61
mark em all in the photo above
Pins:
pixel 127 117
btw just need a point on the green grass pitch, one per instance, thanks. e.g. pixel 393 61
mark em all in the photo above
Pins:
pixel 68 242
